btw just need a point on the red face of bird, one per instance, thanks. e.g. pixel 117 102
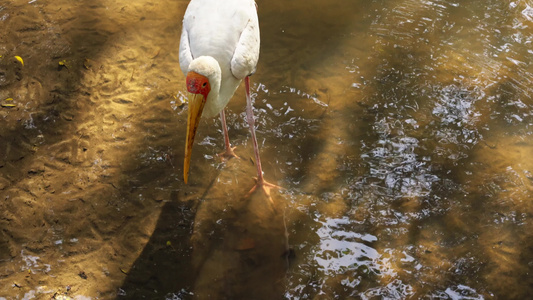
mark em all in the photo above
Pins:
pixel 198 87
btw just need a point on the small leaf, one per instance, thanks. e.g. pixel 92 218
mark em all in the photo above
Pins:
pixel 87 64
pixel 19 59
pixel 82 275
pixel 156 53
pixel 8 99
pixel 169 244
pixel 8 105
pixel 63 64
pixel 246 243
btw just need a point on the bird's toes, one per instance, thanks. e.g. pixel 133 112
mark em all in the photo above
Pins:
pixel 228 154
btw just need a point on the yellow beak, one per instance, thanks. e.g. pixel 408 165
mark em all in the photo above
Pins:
pixel 196 106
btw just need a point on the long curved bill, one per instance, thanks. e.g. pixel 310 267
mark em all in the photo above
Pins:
pixel 196 106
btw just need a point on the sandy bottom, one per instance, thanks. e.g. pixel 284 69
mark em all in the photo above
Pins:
pixel 87 159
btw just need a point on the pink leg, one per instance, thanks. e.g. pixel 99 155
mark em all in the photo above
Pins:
pixel 251 122
pixel 229 150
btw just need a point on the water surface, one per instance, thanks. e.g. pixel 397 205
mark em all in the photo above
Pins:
pixel 400 132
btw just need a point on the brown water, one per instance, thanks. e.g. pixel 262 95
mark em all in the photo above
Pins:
pixel 401 132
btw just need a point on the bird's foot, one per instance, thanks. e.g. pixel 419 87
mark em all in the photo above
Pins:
pixel 265 186
pixel 228 154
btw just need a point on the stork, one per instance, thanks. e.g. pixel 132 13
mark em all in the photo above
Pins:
pixel 219 47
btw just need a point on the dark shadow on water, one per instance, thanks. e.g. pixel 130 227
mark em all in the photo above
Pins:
pixel 226 245
pixel 165 265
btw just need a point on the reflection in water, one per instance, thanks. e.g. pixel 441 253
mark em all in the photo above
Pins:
pixel 339 249
pixel 400 130
pixel 457 119
pixel 393 161
pixel 343 255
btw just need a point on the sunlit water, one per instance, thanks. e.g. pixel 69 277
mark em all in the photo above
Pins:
pixel 400 132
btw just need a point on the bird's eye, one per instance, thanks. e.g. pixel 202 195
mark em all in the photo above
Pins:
pixel 204 85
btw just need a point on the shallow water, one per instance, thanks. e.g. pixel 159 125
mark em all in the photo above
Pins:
pixel 400 132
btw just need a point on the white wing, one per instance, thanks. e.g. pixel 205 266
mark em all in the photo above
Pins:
pixel 185 51
pixel 246 55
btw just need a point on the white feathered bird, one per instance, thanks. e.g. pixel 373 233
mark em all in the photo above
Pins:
pixel 219 48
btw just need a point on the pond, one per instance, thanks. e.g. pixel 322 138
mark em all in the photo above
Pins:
pixel 399 131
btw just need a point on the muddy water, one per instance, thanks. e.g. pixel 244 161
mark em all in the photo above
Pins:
pixel 400 132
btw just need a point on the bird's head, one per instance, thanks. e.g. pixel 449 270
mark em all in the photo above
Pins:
pixel 198 84
pixel 203 82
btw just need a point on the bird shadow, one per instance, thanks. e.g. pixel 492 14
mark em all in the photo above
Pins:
pixel 222 245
